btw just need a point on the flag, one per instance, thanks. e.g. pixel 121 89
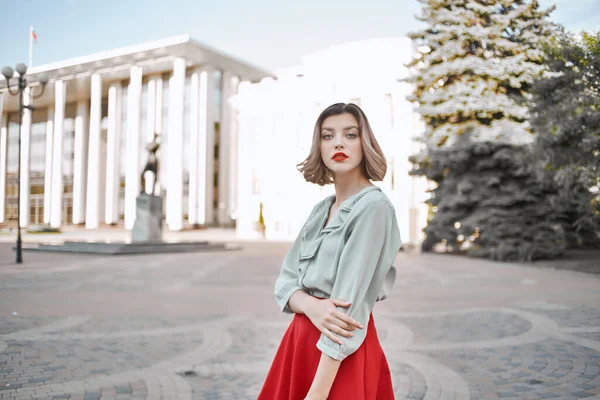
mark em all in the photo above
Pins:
pixel 32 39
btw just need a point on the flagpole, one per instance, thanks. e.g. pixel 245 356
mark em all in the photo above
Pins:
pixel 30 47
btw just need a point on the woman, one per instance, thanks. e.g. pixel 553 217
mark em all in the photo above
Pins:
pixel 338 267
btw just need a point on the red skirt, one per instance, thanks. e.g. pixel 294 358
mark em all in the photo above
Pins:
pixel 364 375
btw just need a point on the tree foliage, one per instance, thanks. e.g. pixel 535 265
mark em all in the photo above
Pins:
pixel 490 203
pixel 478 60
pixel 566 118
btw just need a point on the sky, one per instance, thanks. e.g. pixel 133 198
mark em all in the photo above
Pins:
pixel 267 33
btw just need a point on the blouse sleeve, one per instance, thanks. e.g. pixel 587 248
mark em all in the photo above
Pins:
pixel 366 258
pixel 287 282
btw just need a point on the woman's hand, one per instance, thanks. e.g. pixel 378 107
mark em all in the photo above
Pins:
pixel 329 320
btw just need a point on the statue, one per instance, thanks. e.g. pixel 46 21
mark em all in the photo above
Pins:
pixel 151 164
pixel 149 207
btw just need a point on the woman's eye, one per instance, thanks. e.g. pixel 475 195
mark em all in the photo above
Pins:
pixel 352 135
pixel 327 137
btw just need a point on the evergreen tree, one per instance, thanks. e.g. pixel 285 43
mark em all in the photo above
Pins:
pixel 566 118
pixel 477 62
pixel 489 201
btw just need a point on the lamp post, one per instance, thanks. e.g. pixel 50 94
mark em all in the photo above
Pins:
pixel 8 73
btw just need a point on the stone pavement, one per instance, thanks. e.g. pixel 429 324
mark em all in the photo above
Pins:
pixel 206 326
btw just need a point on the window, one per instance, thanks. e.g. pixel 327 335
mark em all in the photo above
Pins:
pixel 393 175
pixel 390 109
pixel 37 189
pixel 255 183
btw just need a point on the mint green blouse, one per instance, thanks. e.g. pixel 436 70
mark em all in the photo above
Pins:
pixel 351 259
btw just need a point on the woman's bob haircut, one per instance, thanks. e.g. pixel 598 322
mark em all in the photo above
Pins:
pixel 374 164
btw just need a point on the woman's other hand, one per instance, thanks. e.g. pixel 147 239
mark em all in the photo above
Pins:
pixel 329 320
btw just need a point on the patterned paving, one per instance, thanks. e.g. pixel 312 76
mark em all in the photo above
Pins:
pixel 205 326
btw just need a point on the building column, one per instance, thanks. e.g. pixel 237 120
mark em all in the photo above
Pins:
pixel 150 124
pixel 25 160
pixel 175 147
pixel 227 148
pixel 246 212
pixel 92 214
pixel 151 110
pixel 3 143
pixel 193 217
pixel 80 162
pixel 56 202
pixel 232 209
pixel 158 106
pixel 113 153
pixel 48 165
pixel 158 126
pixel 401 146
pixel 132 175
pixel 206 144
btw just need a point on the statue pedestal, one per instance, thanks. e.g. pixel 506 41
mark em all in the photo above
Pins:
pixel 146 237
pixel 148 221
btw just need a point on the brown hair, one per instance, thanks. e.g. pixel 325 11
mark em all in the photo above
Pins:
pixel 374 164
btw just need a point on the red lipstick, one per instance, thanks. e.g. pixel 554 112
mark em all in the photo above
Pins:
pixel 339 156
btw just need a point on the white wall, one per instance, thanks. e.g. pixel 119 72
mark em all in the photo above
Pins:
pixel 276 121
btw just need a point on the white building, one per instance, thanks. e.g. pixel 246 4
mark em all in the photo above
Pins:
pixel 275 126
pixel 83 147
pixel 232 135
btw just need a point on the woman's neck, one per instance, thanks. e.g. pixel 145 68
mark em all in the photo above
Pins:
pixel 348 185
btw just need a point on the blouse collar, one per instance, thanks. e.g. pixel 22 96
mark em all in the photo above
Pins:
pixel 315 232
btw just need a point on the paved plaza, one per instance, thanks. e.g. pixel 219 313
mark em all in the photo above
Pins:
pixel 206 326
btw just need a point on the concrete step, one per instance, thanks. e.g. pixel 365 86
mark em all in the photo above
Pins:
pixel 118 248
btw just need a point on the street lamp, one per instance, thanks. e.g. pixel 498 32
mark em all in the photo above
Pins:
pixel 22 84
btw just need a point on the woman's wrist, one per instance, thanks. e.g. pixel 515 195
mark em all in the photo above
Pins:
pixel 300 302
pixel 315 395
pixel 307 303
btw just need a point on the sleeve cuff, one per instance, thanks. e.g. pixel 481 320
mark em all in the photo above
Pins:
pixel 283 296
pixel 332 349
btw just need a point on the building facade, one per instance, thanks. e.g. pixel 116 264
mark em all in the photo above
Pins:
pixel 231 136
pixel 83 146
pixel 275 121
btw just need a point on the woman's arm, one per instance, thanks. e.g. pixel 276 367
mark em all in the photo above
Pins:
pixel 323 380
pixel 324 315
